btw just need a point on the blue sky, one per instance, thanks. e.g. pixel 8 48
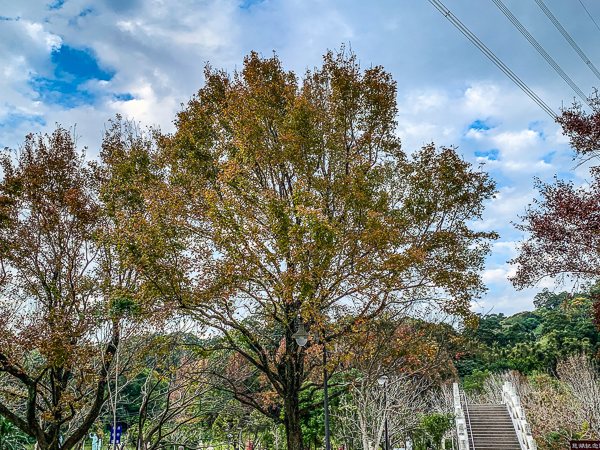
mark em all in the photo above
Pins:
pixel 79 62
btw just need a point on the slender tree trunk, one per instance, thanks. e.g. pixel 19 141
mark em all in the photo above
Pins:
pixel 292 372
pixel 293 430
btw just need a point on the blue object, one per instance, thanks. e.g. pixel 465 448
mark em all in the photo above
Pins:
pixel 118 434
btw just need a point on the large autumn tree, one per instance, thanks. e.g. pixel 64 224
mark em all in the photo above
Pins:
pixel 66 298
pixel 283 200
pixel 563 225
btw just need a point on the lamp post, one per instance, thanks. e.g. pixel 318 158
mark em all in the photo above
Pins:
pixel 382 380
pixel 301 337
pixel 230 439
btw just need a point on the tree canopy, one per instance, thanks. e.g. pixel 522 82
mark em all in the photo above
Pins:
pixel 284 201
pixel 279 201
pixel 58 332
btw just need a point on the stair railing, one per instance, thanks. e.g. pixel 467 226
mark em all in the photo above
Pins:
pixel 517 414
pixel 468 418
pixel 462 432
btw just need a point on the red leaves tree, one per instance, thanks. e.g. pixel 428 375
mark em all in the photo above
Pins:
pixel 563 227
pixel 583 129
pixel 564 233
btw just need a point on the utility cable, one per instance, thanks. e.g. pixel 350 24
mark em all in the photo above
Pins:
pixel 491 56
pixel 586 10
pixel 568 37
pixel 541 50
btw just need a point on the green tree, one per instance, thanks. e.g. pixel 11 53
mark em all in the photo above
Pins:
pixel 489 330
pixel 11 438
pixel 548 300
pixel 560 327
pixel 473 384
pixel 436 426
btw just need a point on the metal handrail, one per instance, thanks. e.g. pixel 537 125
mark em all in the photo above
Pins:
pixel 468 420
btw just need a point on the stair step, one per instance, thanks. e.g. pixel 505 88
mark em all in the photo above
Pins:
pixel 506 431
pixel 490 419
pixel 484 406
pixel 503 418
pixel 497 447
pixel 492 444
pixel 487 408
pixel 494 412
pixel 492 427
pixel 490 416
pixel 487 405
pixel 494 441
pixel 478 444
pixel 488 424
pixel 495 437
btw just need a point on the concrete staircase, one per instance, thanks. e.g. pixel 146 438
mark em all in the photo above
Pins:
pixel 492 427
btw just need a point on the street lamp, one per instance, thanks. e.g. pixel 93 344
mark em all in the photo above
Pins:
pixel 301 337
pixel 229 438
pixel 382 380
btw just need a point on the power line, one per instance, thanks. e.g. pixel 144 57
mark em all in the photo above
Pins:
pixel 541 50
pixel 568 37
pixel 491 56
pixel 586 10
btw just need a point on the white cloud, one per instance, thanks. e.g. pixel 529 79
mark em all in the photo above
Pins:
pixel 497 276
pixel 38 34
pixel 157 51
pixel 481 99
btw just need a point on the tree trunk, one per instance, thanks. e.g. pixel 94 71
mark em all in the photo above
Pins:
pixel 293 430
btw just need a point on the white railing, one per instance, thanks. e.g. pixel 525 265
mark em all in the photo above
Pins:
pixel 461 421
pixel 517 413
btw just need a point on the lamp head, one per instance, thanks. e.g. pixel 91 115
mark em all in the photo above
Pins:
pixel 301 336
pixel 382 380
